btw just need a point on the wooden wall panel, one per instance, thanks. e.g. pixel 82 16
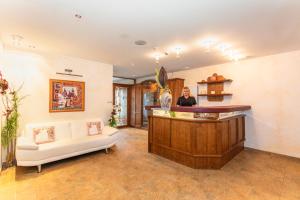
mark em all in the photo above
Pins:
pixel 206 138
pixel 225 136
pixel 132 102
pixel 138 105
pixel 240 129
pixel 161 131
pixel 181 138
pixel 211 142
pixel 200 139
pixel 233 138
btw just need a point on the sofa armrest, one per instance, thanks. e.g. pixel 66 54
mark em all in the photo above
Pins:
pixel 24 143
pixel 110 131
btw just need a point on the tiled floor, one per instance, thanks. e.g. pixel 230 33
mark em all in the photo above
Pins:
pixel 129 172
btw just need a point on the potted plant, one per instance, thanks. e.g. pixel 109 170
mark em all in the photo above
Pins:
pixel 11 101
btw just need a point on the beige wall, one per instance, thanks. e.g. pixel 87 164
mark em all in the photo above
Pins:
pixel 35 70
pixel 271 85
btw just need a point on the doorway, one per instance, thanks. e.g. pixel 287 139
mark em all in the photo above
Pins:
pixel 121 96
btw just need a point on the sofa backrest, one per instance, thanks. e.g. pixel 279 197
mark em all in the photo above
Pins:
pixel 62 130
pixel 79 127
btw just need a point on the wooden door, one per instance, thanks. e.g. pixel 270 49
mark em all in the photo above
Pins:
pixel 176 85
pixel 115 85
pixel 136 106
pixel 132 101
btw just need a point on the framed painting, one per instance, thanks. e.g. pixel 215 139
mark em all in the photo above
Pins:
pixel 66 96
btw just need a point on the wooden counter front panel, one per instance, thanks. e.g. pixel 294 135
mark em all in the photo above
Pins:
pixel 161 131
pixel 199 144
pixel 181 138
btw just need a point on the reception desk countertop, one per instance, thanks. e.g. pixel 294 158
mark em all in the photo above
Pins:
pixel 206 109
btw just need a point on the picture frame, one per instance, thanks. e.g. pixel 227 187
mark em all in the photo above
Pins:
pixel 66 96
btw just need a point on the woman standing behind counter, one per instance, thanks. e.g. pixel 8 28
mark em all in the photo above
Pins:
pixel 186 99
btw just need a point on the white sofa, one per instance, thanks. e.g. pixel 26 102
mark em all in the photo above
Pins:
pixel 71 139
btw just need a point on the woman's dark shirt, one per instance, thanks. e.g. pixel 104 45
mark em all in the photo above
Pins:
pixel 190 101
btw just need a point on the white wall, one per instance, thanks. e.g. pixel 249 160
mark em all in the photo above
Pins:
pixel 271 85
pixel 35 70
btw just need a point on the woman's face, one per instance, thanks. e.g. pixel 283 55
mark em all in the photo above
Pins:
pixel 186 92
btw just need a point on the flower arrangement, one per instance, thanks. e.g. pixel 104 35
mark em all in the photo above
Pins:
pixel 112 120
pixel 11 101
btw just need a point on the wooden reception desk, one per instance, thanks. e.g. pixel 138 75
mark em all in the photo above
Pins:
pixel 198 137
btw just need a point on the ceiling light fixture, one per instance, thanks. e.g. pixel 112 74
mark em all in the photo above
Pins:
pixel 178 51
pixel 78 16
pixel 17 39
pixel 157 56
pixel 223 47
pixel 208 43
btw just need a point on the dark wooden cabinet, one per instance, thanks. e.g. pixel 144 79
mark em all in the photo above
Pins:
pixel 176 85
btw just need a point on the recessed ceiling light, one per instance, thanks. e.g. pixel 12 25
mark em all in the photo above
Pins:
pixel 17 39
pixel 78 16
pixel 31 46
pixel 134 75
pixel 208 43
pixel 186 67
pixel 140 42
pixel 178 49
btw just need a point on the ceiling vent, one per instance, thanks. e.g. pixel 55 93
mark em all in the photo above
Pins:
pixel 140 42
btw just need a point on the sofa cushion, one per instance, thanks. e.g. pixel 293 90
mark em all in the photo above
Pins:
pixel 62 130
pixel 44 134
pixel 25 143
pixel 107 130
pixel 93 128
pixel 79 127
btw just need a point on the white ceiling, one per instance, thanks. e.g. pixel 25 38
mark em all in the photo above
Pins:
pixel 108 29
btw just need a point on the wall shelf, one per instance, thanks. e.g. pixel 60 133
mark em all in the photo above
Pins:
pixel 215 85
pixel 212 82
pixel 215 95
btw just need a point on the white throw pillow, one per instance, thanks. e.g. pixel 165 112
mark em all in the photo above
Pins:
pixel 93 128
pixel 44 135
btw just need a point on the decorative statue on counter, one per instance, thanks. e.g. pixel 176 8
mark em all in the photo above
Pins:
pixel 165 96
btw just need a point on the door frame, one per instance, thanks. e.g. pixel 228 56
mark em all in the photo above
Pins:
pixel 128 86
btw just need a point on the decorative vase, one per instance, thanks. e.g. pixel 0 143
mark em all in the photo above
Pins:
pixel 165 99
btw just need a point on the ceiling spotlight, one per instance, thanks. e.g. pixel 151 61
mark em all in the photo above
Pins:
pixel 234 55
pixel 178 51
pixel 208 43
pixel 31 46
pixel 223 47
pixel 78 16
pixel 157 55
pixel 17 39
